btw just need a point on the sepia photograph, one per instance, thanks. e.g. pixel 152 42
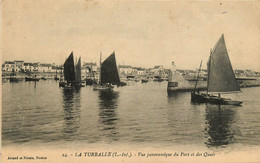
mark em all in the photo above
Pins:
pixel 130 81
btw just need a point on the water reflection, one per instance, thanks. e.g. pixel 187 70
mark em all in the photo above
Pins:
pixel 176 96
pixel 107 113
pixel 219 130
pixel 71 105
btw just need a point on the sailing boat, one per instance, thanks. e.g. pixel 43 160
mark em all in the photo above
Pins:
pixel 78 73
pixel 72 74
pixel 108 74
pixel 221 78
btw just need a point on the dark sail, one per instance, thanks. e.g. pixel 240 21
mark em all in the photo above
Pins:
pixel 78 71
pixel 109 73
pixel 69 72
pixel 221 77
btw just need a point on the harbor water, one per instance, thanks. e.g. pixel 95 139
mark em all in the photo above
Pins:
pixel 143 115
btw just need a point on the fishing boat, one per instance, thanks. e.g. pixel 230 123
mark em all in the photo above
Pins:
pixel 13 79
pixel 130 77
pixel 90 81
pixel 72 74
pixel 78 81
pixel 108 74
pixel 221 78
pixel 30 78
pixel 160 80
pixel 144 80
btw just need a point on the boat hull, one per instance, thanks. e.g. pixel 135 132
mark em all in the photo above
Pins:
pixel 102 87
pixel 204 98
pixel 31 79
pixel 70 85
pixel 91 82
pixel 144 80
pixel 12 79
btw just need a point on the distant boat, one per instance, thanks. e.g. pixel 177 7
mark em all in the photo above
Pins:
pixel 160 80
pixel 43 78
pixel 121 84
pixel 29 78
pixel 130 76
pixel 13 79
pixel 221 78
pixel 155 79
pixel 137 80
pixel 91 81
pixel 108 74
pixel 144 80
pixel 72 74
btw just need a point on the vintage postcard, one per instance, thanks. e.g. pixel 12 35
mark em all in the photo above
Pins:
pixel 130 81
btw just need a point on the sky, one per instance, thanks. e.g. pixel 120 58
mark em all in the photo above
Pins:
pixel 144 33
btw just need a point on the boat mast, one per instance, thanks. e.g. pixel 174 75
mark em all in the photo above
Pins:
pixel 61 71
pixel 100 69
pixel 208 68
pixel 197 76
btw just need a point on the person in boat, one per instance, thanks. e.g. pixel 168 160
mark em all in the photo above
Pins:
pixel 219 96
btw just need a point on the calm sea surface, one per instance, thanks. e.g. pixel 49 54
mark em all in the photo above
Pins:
pixel 142 114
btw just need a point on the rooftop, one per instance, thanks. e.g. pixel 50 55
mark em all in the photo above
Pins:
pixel 45 65
pixel 9 62
pixel 89 64
pixel 28 64
pixel 157 66
pixel 124 66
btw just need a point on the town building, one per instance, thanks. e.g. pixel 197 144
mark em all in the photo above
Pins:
pixel 159 71
pixel 28 67
pixel 44 67
pixel 140 71
pixel 89 67
pixel 125 69
pixel 8 66
pixel 18 65
pixel 89 70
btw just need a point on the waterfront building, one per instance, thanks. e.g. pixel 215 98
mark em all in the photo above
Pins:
pixel 8 66
pixel 89 70
pixel 28 67
pixel 36 66
pixel 44 67
pixel 140 71
pixel 159 71
pixel 89 67
pixel 18 65
pixel 125 69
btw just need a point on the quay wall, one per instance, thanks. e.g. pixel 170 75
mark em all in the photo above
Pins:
pixel 20 75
